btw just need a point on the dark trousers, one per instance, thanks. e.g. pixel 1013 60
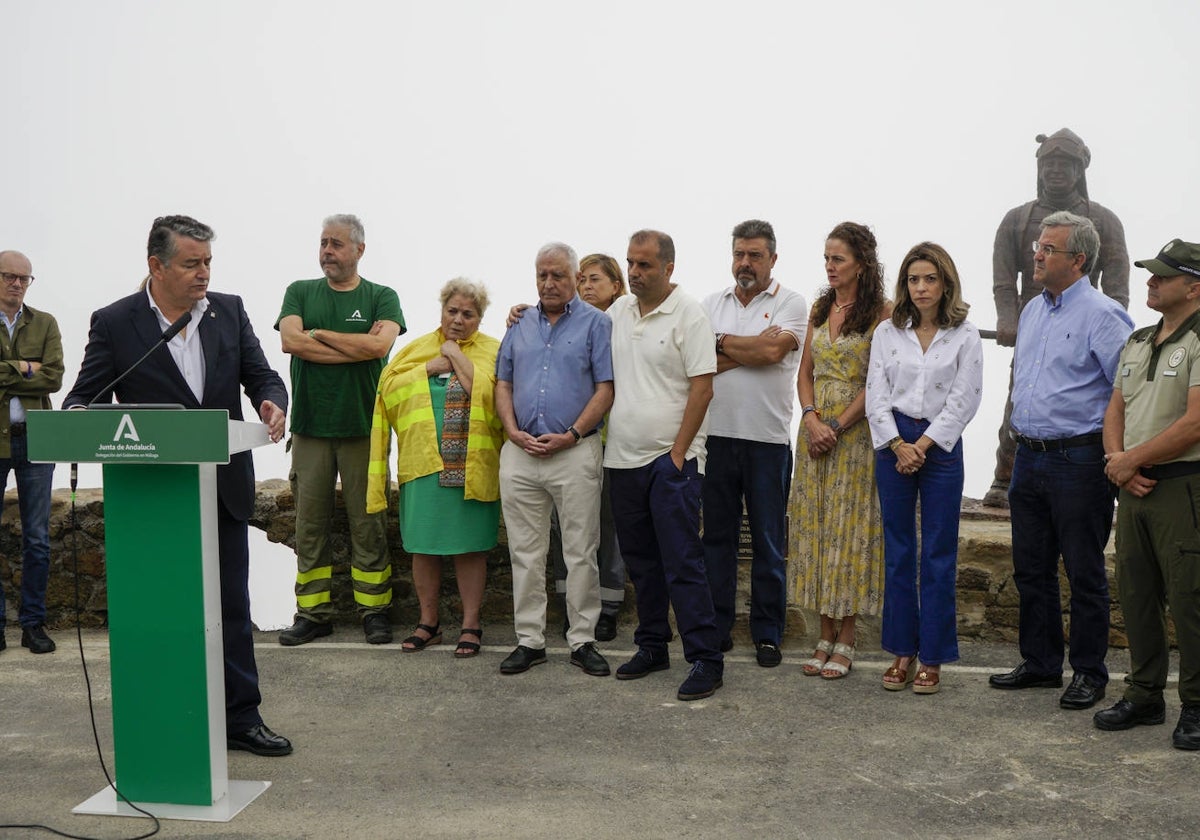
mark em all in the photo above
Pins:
pixel 242 697
pixel 657 512
pixel 1158 564
pixel 761 474
pixel 1061 504
pixel 920 619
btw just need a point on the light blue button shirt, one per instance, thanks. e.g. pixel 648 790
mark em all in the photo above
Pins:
pixel 554 368
pixel 1065 361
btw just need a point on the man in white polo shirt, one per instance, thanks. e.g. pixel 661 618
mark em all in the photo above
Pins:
pixel 759 327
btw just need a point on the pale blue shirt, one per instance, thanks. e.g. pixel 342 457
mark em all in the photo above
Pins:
pixel 1066 361
pixel 554 368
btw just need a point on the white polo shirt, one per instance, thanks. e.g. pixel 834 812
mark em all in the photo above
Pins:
pixel 756 403
pixel 654 357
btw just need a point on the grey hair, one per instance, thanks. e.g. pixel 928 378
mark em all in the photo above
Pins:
pixel 466 287
pixel 165 229
pixel 357 235
pixel 1083 238
pixel 560 249
pixel 756 229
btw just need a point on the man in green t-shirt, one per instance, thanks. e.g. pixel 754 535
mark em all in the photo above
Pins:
pixel 338 330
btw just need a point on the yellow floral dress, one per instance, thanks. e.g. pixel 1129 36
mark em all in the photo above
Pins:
pixel 835 534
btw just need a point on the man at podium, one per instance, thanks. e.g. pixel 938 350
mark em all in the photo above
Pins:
pixel 204 365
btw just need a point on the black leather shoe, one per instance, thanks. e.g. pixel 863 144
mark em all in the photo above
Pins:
pixel 259 740
pixel 303 632
pixel 1187 733
pixel 1126 715
pixel 767 653
pixel 377 628
pixel 521 660
pixel 645 661
pixel 36 640
pixel 589 659
pixel 1083 693
pixel 606 628
pixel 1022 677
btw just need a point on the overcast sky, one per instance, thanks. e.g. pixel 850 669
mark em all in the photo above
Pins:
pixel 467 134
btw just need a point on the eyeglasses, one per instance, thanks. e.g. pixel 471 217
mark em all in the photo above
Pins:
pixel 1050 250
pixel 16 279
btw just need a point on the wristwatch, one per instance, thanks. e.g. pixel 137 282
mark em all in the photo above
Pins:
pixel 575 433
pixel 836 426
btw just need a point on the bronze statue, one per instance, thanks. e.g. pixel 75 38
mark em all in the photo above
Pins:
pixel 1061 185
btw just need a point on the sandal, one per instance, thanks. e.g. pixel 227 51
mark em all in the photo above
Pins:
pixel 415 643
pixel 900 677
pixel 465 650
pixel 836 670
pixel 812 667
pixel 930 682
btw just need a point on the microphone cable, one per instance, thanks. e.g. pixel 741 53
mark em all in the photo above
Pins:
pixel 88 683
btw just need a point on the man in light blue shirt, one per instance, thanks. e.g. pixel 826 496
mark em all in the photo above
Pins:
pixel 554 383
pixel 1068 341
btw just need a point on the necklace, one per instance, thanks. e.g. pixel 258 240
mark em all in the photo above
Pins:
pixel 839 307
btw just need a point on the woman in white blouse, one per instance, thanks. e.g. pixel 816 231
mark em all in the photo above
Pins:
pixel 923 387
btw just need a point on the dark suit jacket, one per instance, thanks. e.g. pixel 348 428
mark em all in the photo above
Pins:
pixel 121 332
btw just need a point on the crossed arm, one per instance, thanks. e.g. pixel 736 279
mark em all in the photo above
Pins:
pixel 328 347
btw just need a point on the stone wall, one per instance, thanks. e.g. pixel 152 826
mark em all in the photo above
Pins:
pixel 987 597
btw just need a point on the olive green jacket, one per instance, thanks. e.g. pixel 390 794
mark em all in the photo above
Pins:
pixel 36 339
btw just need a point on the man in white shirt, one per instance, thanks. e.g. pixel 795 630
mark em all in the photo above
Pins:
pixel 663 366
pixel 759 332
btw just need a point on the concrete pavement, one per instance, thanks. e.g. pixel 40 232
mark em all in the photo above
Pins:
pixel 393 745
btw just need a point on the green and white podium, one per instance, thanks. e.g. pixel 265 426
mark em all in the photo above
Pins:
pixel 164 599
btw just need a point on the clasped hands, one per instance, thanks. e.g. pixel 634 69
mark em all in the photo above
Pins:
pixel 543 446
pixel 909 458
pixel 1124 471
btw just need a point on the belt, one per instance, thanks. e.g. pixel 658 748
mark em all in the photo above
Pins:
pixel 16 430
pixel 1090 439
pixel 1175 469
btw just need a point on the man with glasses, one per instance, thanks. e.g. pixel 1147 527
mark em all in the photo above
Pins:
pixel 31 369
pixel 1068 341
pixel 1061 185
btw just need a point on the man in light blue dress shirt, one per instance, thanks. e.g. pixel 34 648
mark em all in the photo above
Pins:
pixel 1068 341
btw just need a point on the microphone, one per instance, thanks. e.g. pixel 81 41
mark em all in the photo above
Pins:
pixel 169 333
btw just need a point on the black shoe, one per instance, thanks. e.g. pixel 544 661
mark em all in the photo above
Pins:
pixel 304 631
pixel 522 659
pixel 1126 715
pixel 767 653
pixel 589 659
pixel 259 740
pixel 1083 693
pixel 36 640
pixel 644 662
pixel 377 629
pixel 726 644
pixel 703 681
pixel 1022 677
pixel 606 628
pixel 1187 732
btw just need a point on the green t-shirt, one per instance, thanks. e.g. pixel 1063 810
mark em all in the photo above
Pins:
pixel 337 400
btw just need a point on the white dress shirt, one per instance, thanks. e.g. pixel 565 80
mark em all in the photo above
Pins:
pixel 943 384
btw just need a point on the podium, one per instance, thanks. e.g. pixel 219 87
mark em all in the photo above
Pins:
pixel 164 599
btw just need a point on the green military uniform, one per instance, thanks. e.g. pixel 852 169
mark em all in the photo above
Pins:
pixel 1158 536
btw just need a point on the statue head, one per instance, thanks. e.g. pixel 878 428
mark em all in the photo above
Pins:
pixel 1062 158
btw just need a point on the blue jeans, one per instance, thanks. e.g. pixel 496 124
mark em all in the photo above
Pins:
pixel 33 501
pixel 657 512
pixel 920 619
pixel 761 473
pixel 1061 503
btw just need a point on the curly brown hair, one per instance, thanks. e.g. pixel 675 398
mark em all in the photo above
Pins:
pixel 869 302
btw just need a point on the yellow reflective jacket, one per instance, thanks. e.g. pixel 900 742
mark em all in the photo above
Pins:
pixel 403 404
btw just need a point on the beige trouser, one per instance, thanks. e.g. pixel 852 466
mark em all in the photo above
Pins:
pixel 569 480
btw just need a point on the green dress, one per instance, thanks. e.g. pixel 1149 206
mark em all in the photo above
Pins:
pixel 438 520
pixel 835 534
